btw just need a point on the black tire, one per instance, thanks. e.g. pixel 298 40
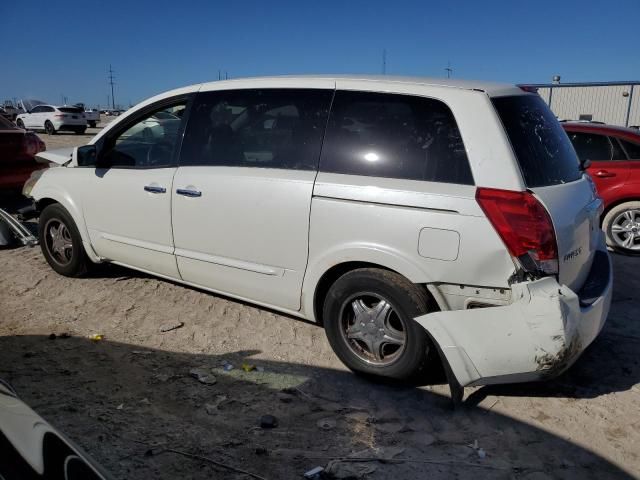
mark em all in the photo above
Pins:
pixel 80 131
pixel 20 124
pixel 626 219
pixel 49 128
pixel 92 124
pixel 73 262
pixel 406 301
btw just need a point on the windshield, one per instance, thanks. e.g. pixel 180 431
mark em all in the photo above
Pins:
pixel 31 103
pixel 540 144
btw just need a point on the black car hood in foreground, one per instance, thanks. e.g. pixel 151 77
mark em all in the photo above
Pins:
pixel 30 448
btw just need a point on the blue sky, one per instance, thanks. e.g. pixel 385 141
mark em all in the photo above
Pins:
pixel 65 47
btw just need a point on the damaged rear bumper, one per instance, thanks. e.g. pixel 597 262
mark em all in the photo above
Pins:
pixel 538 336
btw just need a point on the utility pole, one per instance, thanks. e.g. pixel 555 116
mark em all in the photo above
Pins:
pixel 384 61
pixel 112 83
pixel 449 70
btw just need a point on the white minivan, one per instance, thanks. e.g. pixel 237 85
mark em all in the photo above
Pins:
pixel 420 221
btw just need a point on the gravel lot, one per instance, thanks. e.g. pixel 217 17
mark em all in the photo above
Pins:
pixel 130 400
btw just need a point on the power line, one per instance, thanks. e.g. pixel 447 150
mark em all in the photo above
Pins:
pixel 112 83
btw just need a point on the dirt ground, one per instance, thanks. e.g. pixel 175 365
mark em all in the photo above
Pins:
pixel 131 401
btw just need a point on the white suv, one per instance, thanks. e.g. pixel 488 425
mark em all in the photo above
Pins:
pixel 418 220
pixel 52 119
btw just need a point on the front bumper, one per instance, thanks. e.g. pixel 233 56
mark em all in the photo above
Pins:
pixel 538 336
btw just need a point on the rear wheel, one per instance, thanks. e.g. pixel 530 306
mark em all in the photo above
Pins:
pixel 368 317
pixel 49 128
pixel 622 227
pixel 80 131
pixel 61 242
pixel 92 124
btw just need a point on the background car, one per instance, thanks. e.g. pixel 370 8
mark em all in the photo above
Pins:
pixel 17 155
pixel 52 119
pixel 614 153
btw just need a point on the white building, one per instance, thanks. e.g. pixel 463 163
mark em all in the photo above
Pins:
pixel 615 103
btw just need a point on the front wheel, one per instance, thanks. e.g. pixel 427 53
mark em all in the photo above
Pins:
pixel 49 128
pixel 369 321
pixel 622 227
pixel 61 242
pixel 20 124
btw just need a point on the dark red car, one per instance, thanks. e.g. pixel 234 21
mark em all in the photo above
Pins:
pixel 614 153
pixel 17 155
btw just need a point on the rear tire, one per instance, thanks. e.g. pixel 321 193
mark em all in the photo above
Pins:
pixel 49 128
pixel 368 318
pixel 61 242
pixel 92 124
pixel 80 131
pixel 621 226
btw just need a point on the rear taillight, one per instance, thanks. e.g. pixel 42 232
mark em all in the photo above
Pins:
pixel 525 227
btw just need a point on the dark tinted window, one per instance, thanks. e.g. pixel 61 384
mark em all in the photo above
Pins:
pixel 543 150
pixel 394 136
pixel 147 142
pixel 594 147
pixel 70 110
pixel 632 149
pixel 257 128
pixel 48 109
pixel 37 109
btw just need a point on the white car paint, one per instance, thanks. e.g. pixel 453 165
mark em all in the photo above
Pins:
pixel 268 236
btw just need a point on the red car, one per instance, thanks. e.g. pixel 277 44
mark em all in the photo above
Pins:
pixel 614 153
pixel 17 155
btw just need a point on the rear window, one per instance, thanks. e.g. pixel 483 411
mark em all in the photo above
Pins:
pixel 544 152
pixel 394 136
pixel 70 110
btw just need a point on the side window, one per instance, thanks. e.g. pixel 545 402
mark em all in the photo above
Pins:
pixel 257 128
pixel 394 136
pixel 36 110
pixel 632 149
pixel 591 146
pixel 149 142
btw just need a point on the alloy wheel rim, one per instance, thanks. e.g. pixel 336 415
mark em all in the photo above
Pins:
pixel 58 242
pixel 372 329
pixel 625 230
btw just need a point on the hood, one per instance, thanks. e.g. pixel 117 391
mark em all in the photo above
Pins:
pixel 60 156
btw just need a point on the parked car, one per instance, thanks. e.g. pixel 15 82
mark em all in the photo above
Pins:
pixel 32 448
pixel 52 119
pixel 92 115
pixel 614 156
pixel 10 110
pixel 17 155
pixel 417 220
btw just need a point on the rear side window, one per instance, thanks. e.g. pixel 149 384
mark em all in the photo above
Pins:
pixel 257 128
pixel 632 149
pixel 394 136
pixel 540 144
pixel 594 147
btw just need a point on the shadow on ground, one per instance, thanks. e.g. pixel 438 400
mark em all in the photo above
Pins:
pixel 125 403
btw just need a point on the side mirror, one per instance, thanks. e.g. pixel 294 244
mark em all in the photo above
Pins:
pixel 585 164
pixel 87 156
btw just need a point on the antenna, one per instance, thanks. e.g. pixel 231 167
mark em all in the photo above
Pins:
pixel 112 83
pixel 384 61
pixel 449 70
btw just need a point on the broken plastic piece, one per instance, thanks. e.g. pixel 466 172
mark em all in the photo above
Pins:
pixel 9 225
pixel 96 337
pixel 314 473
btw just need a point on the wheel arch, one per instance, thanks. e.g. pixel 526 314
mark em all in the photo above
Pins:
pixel 321 282
pixel 48 197
pixel 615 204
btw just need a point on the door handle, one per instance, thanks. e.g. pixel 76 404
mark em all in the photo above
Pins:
pixel 604 174
pixel 155 189
pixel 188 192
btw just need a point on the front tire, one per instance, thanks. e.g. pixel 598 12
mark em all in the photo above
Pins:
pixel 621 226
pixel 368 318
pixel 49 128
pixel 20 124
pixel 61 242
